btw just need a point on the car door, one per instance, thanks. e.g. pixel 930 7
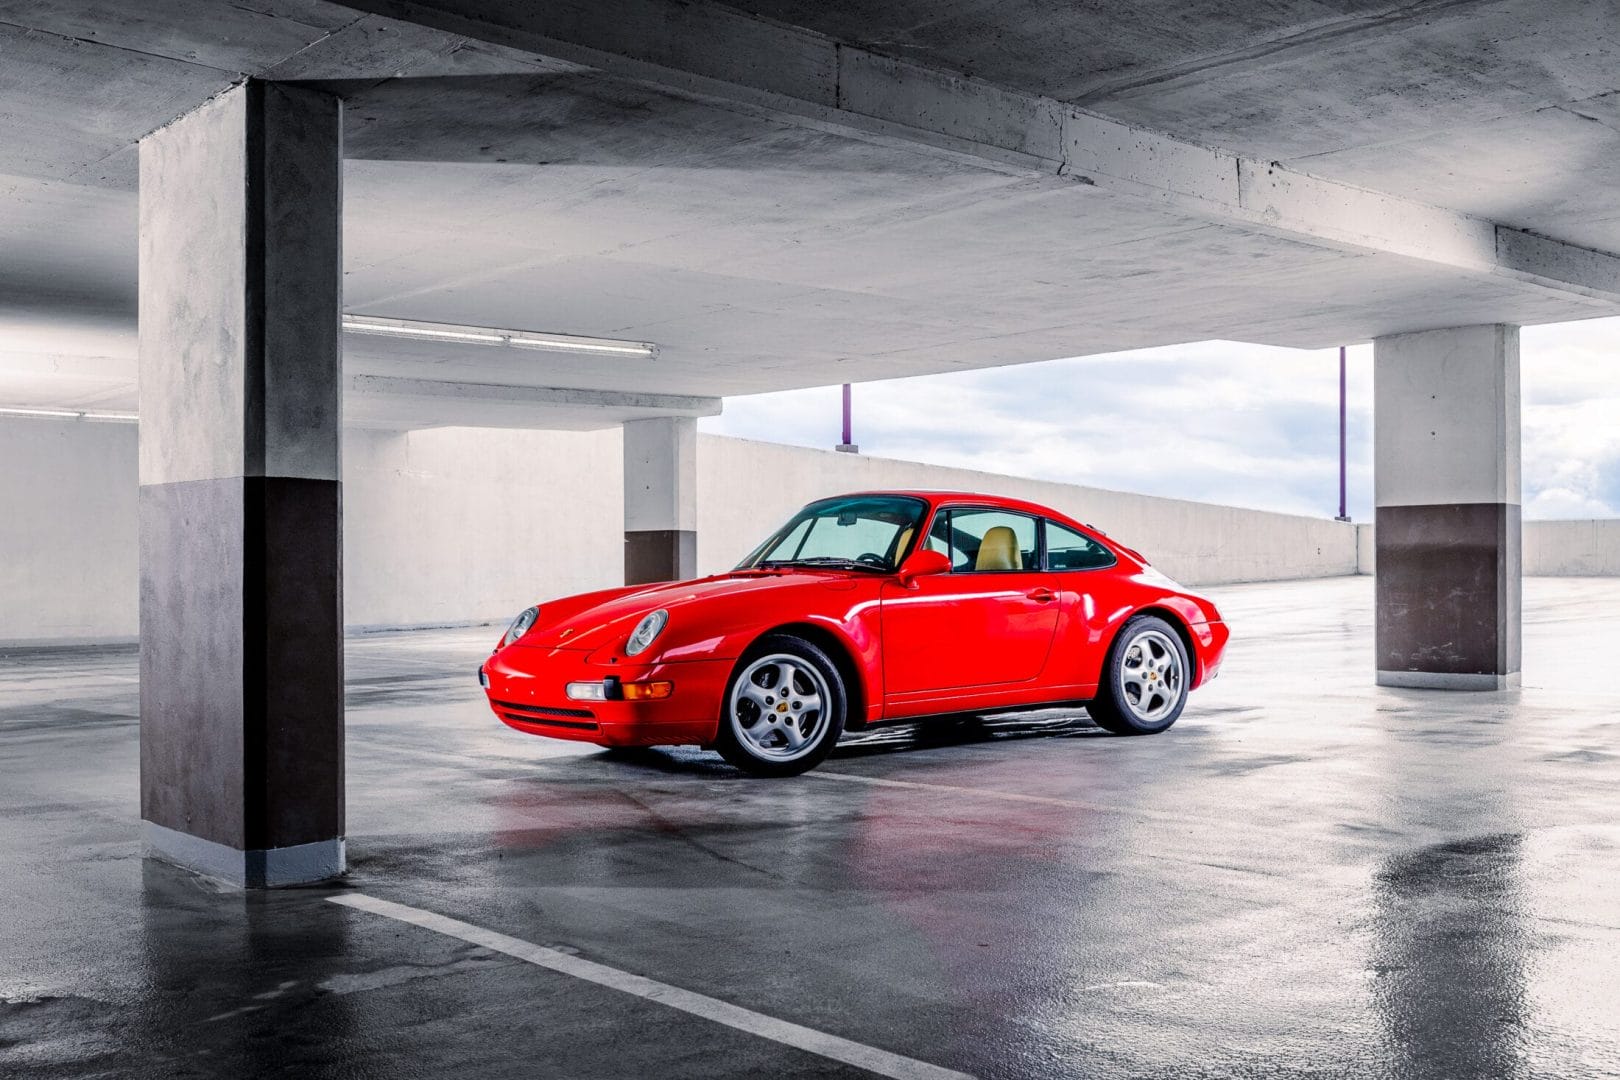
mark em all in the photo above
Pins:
pixel 988 623
pixel 1077 567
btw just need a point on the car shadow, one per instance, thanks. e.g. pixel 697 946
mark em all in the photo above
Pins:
pixel 935 733
pixel 939 732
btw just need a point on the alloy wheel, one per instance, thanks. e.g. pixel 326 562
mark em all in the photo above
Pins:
pixel 1151 677
pixel 779 707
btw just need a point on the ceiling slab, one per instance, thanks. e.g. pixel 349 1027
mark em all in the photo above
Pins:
pixel 798 194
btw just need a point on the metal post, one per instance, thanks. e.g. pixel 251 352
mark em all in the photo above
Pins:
pixel 848 445
pixel 1343 511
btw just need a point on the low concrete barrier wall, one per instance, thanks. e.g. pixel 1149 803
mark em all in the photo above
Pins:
pixel 1572 548
pixel 458 525
pixel 1196 543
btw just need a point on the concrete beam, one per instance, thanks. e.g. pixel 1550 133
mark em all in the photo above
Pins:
pixel 386 401
pixel 378 48
pixel 505 397
pixel 728 58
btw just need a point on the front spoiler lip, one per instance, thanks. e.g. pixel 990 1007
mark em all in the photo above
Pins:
pixel 527 690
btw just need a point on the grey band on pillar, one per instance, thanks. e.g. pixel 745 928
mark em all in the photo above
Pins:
pixel 659 555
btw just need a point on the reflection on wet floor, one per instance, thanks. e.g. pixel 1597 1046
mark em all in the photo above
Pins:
pixel 1306 877
pixel 1451 952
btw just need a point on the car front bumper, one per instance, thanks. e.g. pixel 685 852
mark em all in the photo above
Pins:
pixel 527 691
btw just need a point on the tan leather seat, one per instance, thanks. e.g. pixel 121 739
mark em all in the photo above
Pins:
pixel 905 538
pixel 999 551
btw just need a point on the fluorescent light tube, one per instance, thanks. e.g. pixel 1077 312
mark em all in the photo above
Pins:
pixel 64 414
pixel 560 343
pixel 485 335
pixel 41 412
pixel 405 328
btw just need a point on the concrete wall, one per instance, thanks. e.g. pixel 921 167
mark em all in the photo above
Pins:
pixel 456 524
pixel 459 525
pixel 1366 549
pixel 69 567
pixel 440 526
pixel 1572 548
pixel 1197 543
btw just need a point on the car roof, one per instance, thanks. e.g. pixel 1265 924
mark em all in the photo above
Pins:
pixel 936 497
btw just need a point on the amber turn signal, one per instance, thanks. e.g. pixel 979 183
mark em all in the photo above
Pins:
pixel 647 691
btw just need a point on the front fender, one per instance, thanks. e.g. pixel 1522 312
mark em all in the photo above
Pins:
pixel 853 633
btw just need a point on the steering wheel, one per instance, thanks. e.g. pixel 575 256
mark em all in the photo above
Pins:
pixel 869 559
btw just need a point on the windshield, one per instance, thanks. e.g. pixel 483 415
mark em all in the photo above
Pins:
pixel 858 532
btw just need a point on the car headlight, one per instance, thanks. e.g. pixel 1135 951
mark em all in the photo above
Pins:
pixel 647 629
pixel 520 626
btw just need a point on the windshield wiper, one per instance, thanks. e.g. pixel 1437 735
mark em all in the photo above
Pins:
pixel 820 560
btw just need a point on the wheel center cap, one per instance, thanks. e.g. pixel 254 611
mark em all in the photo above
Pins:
pixel 781 706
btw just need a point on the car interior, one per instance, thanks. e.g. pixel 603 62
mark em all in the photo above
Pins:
pixel 985 540
pixel 992 541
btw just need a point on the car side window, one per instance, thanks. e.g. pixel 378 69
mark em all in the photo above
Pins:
pixel 985 540
pixel 1069 550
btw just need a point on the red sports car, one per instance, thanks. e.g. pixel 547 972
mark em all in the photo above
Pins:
pixel 861 610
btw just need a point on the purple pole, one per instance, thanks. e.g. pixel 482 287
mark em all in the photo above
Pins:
pixel 1343 514
pixel 847 439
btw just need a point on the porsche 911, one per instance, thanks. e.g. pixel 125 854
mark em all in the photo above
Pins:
pixel 861 610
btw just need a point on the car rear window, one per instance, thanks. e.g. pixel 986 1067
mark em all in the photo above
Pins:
pixel 1070 550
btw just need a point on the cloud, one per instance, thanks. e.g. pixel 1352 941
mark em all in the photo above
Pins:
pixel 1570 375
pixel 1217 421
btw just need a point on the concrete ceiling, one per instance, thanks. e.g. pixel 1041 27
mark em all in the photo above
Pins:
pixel 628 170
pixel 1503 108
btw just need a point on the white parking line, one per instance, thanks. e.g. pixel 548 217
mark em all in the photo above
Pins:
pixel 857 1054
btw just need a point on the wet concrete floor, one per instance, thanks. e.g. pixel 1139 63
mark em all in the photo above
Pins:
pixel 1307 876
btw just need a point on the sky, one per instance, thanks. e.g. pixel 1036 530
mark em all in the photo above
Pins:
pixel 1216 421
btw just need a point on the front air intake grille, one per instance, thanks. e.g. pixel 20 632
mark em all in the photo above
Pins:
pixel 545 710
pixel 549 716
pixel 545 721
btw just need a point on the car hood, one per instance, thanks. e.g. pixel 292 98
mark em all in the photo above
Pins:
pixel 594 620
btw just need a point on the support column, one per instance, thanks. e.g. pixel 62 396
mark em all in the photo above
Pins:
pixel 1448 527
pixel 240 511
pixel 660 500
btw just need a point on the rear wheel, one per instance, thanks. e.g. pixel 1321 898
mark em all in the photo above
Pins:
pixel 1145 679
pixel 783 710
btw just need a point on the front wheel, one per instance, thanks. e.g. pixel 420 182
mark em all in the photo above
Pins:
pixel 1145 679
pixel 783 710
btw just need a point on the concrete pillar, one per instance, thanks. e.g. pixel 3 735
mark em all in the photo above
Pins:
pixel 660 499
pixel 1447 489
pixel 240 514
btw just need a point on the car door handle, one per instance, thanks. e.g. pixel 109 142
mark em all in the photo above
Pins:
pixel 1042 596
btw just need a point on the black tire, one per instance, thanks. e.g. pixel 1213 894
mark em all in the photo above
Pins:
pixel 1115 708
pixel 740 742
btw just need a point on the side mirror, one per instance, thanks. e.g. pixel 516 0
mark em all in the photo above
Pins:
pixel 921 564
